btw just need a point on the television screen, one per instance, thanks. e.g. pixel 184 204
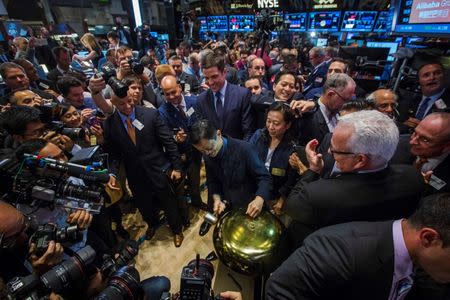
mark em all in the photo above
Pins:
pixel 411 43
pixel 154 34
pixel 358 20
pixel 321 42
pixel 217 23
pixel 324 21
pixel 241 22
pixel 203 24
pixel 423 16
pixel 163 37
pixel 391 45
pixel 15 28
pixel 384 22
pixel 296 22
pixel 276 18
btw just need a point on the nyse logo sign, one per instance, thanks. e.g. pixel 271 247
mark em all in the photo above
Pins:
pixel 268 4
pixel 325 4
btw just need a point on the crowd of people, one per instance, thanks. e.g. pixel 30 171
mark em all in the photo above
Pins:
pixel 287 130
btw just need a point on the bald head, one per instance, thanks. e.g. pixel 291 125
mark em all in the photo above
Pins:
pixel 439 125
pixel 11 220
pixel 257 68
pixel 431 138
pixel 385 101
pixel 171 90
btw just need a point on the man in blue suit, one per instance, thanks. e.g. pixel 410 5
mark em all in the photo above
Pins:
pixel 318 75
pixel 236 176
pixel 226 105
pixel 178 113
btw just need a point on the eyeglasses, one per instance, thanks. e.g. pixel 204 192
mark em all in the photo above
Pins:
pixel 334 152
pixel 421 139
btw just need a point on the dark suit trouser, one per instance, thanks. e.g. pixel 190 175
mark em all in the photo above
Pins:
pixel 144 194
pixel 193 179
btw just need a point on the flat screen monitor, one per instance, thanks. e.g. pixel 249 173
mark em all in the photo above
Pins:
pixel 276 18
pixel 15 28
pixel 324 21
pixel 423 16
pixel 217 23
pixel 203 24
pixel 296 22
pixel 384 22
pixel 322 42
pixel 391 45
pixel 154 34
pixel 362 21
pixel 240 23
pixel 411 43
pixel 163 37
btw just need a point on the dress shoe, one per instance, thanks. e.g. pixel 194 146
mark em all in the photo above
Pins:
pixel 149 233
pixel 204 228
pixel 178 239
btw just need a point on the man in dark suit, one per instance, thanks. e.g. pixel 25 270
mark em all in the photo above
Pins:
pixel 63 60
pixel 435 96
pixel 372 261
pixel 189 82
pixel 138 136
pixel 234 172
pixel 428 149
pixel 226 105
pixel 338 89
pixel 178 113
pixel 363 186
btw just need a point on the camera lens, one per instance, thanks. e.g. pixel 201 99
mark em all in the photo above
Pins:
pixel 68 234
pixel 129 251
pixel 124 284
pixel 74 133
pixel 73 269
pixel 120 89
pixel 80 192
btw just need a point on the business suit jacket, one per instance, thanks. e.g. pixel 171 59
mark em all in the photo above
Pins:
pixel 54 75
pixel 313 126
pixel 147 156
pixel 192 81
pixel 316 78
pixel 239 175
pixel 391 193
pixel 409 103
pixel 237 120
pixel 346 261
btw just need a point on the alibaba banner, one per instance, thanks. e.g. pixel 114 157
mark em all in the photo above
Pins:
pixel 430 11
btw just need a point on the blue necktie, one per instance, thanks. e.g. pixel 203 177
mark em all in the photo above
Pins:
pixel 219 105
pixel 420 114
pixel 403 287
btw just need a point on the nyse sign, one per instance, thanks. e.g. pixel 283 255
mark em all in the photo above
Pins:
pixel 268 4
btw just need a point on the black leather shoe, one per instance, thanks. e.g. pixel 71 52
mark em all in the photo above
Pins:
pixel 204 228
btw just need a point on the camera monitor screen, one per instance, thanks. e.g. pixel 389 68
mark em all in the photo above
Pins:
pixel 241 22
pixel 384 22
pixel 324 21
pixel 217 23
pixel 424 16
pixel 358 21
pixel 203 24
pixel 296 22
pixel 392 48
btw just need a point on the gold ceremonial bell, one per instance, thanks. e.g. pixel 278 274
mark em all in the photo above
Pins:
pixel 250 246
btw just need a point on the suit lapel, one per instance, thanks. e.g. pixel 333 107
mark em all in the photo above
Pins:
pixel 227 104
pixel 323 127
pixel 139 115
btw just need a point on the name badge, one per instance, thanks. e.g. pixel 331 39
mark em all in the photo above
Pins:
pixel 278 172
pixel 440 104
pixel 190 112
pixel 436 182
pixel 319 79
pixel 137 124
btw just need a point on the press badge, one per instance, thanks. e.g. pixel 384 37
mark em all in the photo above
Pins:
pixel 319 79
pixel 440 104
pixel 190 111
pixel 137 124
pixel 436 182
pixel 278 172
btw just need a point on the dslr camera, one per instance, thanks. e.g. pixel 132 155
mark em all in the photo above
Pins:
pixel 73 133
pixel 109 76
pixel 136 66
pixel 50 232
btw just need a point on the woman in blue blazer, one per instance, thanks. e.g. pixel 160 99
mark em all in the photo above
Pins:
pixel 274 144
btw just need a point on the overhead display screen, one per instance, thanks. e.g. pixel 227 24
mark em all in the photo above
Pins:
pixel 203 24
pixel 217 23
pixel 384 22
pixel 424 16
pixel 324 21
pixel 358 21
pixel 241 22
pixel 296 22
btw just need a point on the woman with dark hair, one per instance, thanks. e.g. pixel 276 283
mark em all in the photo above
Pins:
pixel 274 144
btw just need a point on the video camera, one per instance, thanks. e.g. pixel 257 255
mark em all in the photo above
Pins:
pixel 109 76
pixel 50 232
pixel 56 280
pixel 45 181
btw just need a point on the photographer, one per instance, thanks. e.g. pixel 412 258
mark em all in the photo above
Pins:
pixel 189 83
pixel 73 92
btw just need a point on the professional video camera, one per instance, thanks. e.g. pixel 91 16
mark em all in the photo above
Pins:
pixel 45 181
pixel 56 280
pixel 73 133
pixel 50 232
pixel 109 76
pixel 196 280
pixel 136 66
pixel 128 252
